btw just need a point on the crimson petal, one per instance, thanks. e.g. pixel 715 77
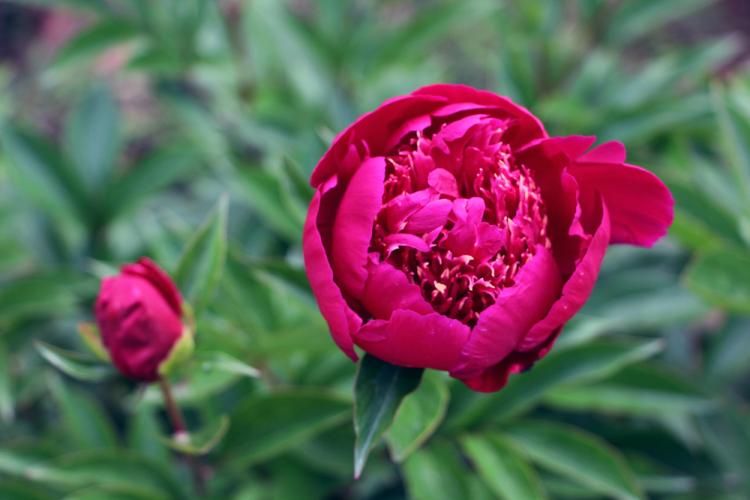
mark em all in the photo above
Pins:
pixel 341 319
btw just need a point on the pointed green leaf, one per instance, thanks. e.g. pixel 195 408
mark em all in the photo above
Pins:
pixel 40 172
pixel 639 390
pixel 93 41
pixel 436 472
pixel 265 425
pixel 418 416
pixel 44 294
pixel 86 425
pixel 149 176
pixel 92 137
pixel 577 364
pixel 202 262
pixel 503 469
pixel 143 434
pixel 722 278
pixel 734 122
pixel 91 336
pixel 378 391
pixel 7 406
pixel 73 364
pixel 224 362
pixel 576 455
pixel 267 195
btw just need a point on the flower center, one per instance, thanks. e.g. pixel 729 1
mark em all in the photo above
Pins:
pixel 460 215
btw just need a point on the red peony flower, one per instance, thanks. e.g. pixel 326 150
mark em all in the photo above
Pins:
pixel 140 316
pixel 448 231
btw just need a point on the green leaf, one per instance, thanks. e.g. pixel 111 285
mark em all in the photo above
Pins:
pixel 144 433
pixel 503 469
pixel 577 364
pixel 722 278
pixel 93 41
pixel 111 493
pixel 154 173
pixel 734 123
pixel 638 18
pixel 40 172
pixel 7 406
pixel 86 426
pixel 111 471
pixel 120 471
pixel 224 362
pixel 379 389
pixel 265 425
pixel 701 212
pixel 579 456
pixel 202 262
pixel 21 490
pixel 74 364
pixel 16 464
pixel 92 137
pixel 265 193
pixel 92 337
pixel 435 472
pixel 639 390
pixel 203 442
pixel 418 416
pixel 43 294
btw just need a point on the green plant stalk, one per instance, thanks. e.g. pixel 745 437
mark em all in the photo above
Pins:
pixel 180 434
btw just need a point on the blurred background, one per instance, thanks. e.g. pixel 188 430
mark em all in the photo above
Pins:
pixel 186 130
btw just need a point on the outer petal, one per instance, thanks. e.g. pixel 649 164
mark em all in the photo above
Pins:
pixel 608 152
pixel 352 229
pixel 414 340
pixel 388 289
pixel 494 378
pixel 549 160
pixel 462 95
pixel 641 208
pixel 576 291
pixel 146 268
pixel 341 319
pixel 504 324
pixel 375 128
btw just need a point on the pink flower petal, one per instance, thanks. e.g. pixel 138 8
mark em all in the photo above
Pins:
pixel 376 127
pixel 505 323
pixel 388 289
pixel 443 182
pixel 608 152
pixel 464 97
pixel 341 319
pixel 640 206
pixel 495 377
pixel 146 268
pixel 414 340
pixel 490 239
pixel 432 215
pixel 576 291
pixel 571 146
pixel 403 206
pixel 406 240
pixel 352 229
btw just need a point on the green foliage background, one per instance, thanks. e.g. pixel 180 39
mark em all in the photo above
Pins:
pixel 186 130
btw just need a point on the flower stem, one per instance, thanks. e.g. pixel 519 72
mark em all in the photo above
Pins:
pixel 181 435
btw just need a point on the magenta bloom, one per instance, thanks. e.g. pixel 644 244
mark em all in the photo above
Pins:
pixel 139 313
pixel 448 231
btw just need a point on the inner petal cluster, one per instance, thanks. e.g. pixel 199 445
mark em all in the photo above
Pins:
pixel 460 215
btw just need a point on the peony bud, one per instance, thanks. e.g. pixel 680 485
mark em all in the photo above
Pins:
pixel 140 316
